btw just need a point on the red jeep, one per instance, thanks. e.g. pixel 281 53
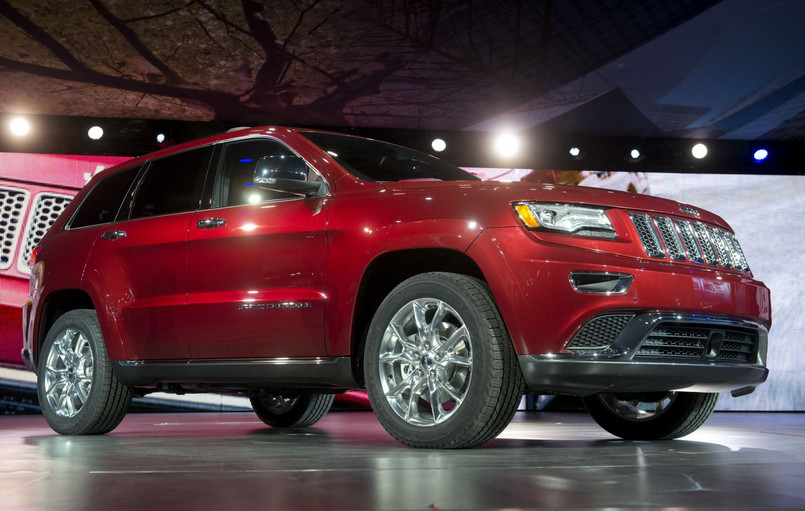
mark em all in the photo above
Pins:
pixel 289 265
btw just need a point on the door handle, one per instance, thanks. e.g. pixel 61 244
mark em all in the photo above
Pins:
pixel 113 235
pixel 211 223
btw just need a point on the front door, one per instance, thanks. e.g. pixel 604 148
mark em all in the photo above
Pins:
pixel 256 267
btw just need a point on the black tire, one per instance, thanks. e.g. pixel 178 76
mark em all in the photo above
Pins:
pixel 476 377
pixel 679 414
pixel 78 393
pixel 291 410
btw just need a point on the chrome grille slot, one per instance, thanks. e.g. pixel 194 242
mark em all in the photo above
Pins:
pixel 670 238
pixel 721 247
pixel 13 202
pixel 705 244
pixel 648 235
pixel 736 253
pixel 688 237
pixel 45 211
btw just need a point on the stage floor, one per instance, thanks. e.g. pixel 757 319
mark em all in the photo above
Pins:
pixel 199 461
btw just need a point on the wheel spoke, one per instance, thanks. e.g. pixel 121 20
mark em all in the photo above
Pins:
pixel 401 387
pixel 413 399
pixel 399 332
pixel 391 358
pixel 453 359
pixel 447 390
pixel 435 404
pixel 81 391
pixel 422 328
pixel 451 343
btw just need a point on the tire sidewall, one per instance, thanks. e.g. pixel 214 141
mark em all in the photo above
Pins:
pixel 467 309
pixel 87 415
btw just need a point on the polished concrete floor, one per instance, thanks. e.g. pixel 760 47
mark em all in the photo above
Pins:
pixel 199 461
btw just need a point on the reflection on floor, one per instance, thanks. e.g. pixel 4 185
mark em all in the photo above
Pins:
pixel 196 461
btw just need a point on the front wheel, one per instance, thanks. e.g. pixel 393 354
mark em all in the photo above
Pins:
pixel 439 366
pixel 651 416
pixel 290 409
pixel 78 393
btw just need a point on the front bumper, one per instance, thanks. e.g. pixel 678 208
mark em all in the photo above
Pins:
pixel 565 375
pixel 653 352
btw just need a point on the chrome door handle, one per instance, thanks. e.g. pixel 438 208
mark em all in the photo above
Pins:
pixel 113 235
pixel 211 223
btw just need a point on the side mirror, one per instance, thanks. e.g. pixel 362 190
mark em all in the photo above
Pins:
pixel 286 174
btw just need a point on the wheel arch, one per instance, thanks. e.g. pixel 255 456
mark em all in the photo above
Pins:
pixel 384 273
pixel 55 305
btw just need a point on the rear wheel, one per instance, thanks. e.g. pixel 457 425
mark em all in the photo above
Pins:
pixel 651 416
pixel 439 366
pixel 291 410
pixel 78 393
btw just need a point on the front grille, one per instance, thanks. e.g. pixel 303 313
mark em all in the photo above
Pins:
pixel 683 240
pixel 12 208
pixel 46 210
pixel 599 333
pixel 721 344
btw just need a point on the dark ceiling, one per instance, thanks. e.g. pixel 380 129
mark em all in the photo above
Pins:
pixel 678 69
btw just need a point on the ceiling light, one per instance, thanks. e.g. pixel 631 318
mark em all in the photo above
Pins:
pixel 19 126
pixel 95 133
pixel 699 151
pixel 507 145
pixel 575 152
pixel 761 154
pixel 438 145
pixel 635 154
pixel 160 138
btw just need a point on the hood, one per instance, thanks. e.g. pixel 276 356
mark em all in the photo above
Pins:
pixel 481 194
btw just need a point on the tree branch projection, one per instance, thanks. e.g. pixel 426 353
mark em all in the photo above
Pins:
pixel 291 63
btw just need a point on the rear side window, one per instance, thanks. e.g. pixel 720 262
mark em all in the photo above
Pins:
pixel 103 201
pixel 172 184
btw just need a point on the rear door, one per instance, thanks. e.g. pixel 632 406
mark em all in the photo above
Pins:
pixel 257 263
pixel 139 263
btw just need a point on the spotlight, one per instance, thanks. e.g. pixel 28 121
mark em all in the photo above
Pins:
pixel 19 126
pixel 699 151
pixel 761 154
pixel 438 145
pixel 507 145
pixel 160 138
pixel 635 154
pixel 575 152
pixel 95 133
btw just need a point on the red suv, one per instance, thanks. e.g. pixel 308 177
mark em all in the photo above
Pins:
pixel 289 265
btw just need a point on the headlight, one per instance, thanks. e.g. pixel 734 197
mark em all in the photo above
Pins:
pixel 566 218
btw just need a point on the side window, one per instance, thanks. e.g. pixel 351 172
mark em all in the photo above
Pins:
pixel 234 184
pixel 172 184
pixel 104 200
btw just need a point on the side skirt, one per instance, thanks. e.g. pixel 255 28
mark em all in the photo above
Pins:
pixel 325 373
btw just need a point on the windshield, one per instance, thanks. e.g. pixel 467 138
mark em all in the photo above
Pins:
pixel 371 160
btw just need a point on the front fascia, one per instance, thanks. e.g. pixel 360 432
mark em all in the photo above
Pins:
pixel 542 311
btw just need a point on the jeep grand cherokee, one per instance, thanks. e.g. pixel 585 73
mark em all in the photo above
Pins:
pixel 289 265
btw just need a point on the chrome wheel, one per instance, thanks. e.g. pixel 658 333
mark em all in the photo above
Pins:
pixel 425 362
pixel 636 410
pixel 68 373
